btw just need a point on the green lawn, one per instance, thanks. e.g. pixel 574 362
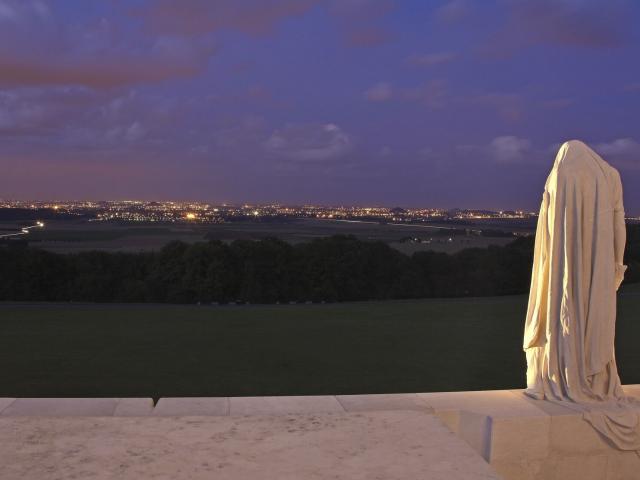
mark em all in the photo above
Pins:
pixel 427 345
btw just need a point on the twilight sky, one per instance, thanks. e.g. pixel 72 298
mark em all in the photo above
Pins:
pixel 409 102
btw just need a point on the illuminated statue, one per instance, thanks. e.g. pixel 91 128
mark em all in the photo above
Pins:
pixel 577 268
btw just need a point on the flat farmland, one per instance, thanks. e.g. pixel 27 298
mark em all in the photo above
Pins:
pixel 76 236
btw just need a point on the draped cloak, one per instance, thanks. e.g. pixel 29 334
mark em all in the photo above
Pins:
pixel 577 268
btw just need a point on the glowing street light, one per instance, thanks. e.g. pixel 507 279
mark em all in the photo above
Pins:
pixel 23 230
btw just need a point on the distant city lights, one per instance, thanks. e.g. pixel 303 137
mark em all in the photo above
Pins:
pixel 132 211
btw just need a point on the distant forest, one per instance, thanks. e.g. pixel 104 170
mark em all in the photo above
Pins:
pixel 332 269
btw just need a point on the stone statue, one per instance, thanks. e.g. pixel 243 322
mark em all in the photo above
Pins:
pixel 577 268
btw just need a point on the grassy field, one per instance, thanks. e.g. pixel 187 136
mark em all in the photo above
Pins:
pixel 407 346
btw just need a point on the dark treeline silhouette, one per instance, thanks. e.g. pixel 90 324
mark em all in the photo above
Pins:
pixel 338 268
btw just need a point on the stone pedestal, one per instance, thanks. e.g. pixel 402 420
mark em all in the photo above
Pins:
pixel 526 439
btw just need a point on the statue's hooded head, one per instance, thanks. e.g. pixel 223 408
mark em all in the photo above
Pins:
pixel 576 154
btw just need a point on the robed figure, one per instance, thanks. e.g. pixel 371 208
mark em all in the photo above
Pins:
pixel 577 268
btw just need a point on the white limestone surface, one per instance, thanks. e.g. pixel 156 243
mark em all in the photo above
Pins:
pixel 284 405
pixel 184 406
pixel 383 401
pixel 521 438
pixel 133 407
pixel 61 407
pixel 5 402
pixel 369 445
pixel 69 407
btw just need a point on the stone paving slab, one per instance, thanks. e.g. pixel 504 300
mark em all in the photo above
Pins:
pixel 284 405
pixel 380 402
pixel 5 402
pixel 398 445
pixel 187 406
pixel 133 407
pixel 67 407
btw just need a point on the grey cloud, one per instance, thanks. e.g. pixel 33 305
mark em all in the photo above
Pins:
pixel 619 147
pixel 367 36
pixel 558 103
pixel 94 73
pixel 431 59
pixel 309 142
pixel 361 9
pixel 36 111
pixel 432 94
pixel 16 114
pixel 623 153
pixel 361 20
pixel 501 150
pixel 452 11
pixel 16 11
pixel 595 23
pixel 380 92
pixel 574 23
pixel 509 106
pixel 197 17
pixel 96 55
pixel 509 148
pixel 69 119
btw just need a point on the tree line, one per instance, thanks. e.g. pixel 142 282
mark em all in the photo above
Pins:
pixel 332 269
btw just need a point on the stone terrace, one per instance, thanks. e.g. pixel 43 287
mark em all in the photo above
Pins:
pixel 458 435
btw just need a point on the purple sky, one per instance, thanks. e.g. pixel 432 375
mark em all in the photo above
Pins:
pixel 409 102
